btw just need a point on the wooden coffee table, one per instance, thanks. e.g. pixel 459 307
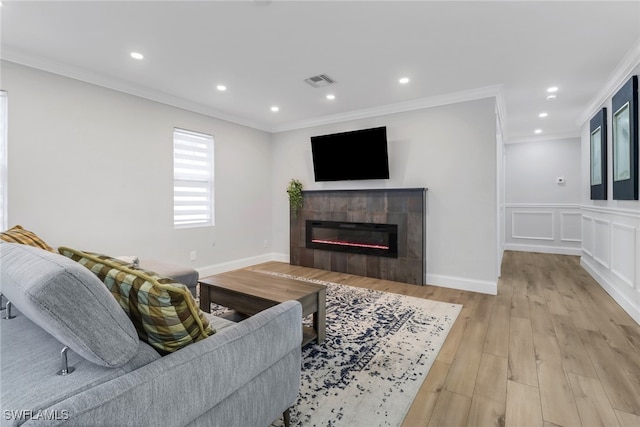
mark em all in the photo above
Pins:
pixel 249 292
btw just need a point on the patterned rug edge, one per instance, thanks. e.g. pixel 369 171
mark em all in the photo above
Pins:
pixel 345 417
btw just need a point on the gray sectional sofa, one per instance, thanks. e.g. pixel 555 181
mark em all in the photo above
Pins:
pixel 247 374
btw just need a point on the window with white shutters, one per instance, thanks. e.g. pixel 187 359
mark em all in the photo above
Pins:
pixel 192 179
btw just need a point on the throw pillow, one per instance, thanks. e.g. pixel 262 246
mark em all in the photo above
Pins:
pixel 18 234
pixel 163 311
pixel 68 302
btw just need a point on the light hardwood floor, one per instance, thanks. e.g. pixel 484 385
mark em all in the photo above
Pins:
pixel 551 349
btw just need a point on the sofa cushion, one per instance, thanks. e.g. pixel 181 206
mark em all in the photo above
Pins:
pixel 31 357
pixel 68 302
pixel 163 311
pixel 18 234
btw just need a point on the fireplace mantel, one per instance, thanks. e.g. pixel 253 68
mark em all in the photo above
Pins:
pixel 404 207
pixel 371 190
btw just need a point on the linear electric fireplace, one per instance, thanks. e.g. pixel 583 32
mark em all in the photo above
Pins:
pixel 385 237
pixel 353 237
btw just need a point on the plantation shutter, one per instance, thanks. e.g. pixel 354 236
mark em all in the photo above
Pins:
pixel 192 179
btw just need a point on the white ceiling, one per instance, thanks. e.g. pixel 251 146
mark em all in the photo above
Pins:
pixel 263 50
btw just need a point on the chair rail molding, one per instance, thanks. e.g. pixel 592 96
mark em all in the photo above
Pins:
pixel 611 210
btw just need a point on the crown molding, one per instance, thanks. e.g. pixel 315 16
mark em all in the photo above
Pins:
pixel 494 91
pixel 120 85
pixel 91 77
pixel 545 137
pixel 619 76
pixel 501 112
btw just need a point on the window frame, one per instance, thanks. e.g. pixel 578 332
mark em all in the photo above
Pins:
pixel 196 148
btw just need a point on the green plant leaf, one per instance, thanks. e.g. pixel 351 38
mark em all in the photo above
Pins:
pixel 295 196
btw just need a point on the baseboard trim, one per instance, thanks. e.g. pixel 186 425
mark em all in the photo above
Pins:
pixel 627 305
pixel 280 257
pixel 452 282
pixel 222 267
pixel 463 284
pixel 543 249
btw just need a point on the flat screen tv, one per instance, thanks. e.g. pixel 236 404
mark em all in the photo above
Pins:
pixel 355 155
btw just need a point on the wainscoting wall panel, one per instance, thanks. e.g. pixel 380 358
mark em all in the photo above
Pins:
pixel 570 226
pixel 549 228
pixel 611 253
pixel 602 241
pixel 532 225
pixel 622 260
pixel 587 235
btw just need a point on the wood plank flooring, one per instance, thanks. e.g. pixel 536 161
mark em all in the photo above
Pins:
pixel 551 349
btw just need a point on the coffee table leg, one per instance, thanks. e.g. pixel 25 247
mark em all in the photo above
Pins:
pixel 320 316
pixel 205 302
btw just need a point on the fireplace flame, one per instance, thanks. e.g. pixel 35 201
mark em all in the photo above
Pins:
pixel 345 243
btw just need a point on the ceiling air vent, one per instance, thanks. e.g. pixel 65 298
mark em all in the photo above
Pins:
pixel 320 81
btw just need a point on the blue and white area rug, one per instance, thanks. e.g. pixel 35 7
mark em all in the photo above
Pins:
pixel 378 351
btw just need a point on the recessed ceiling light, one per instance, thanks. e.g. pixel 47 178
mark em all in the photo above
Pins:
pixel 137 55
pixel 331 96
pixel 537 131
pixel 552 89
pixel 221 88
pixel 543 115
pixel 275 109
pixel 551 97
pixel 404 80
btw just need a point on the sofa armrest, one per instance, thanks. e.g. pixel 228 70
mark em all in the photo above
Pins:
pixel 180 387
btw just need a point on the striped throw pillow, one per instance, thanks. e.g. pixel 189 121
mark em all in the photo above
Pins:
pixel 163 311
pixel 18 234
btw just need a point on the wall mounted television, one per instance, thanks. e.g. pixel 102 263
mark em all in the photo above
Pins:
pixel 356 155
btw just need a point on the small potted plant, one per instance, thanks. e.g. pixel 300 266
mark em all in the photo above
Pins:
pixel 295 196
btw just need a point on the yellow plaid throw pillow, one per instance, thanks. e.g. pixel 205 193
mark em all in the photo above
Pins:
pixel 18 234
pixel 163 311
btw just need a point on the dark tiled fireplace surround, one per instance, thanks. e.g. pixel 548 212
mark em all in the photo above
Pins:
pixel 376 233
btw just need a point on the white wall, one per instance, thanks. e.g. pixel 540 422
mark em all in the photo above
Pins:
pixel 611 228
pixel 500 193
pixel 451 150
pixel 91 168
pixel 542 215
